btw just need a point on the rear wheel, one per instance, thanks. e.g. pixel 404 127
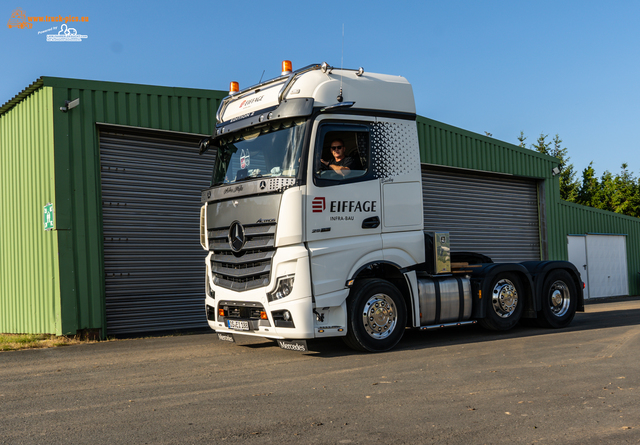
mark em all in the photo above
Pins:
pixel 377 316
pixel 559 300
pixel 505 306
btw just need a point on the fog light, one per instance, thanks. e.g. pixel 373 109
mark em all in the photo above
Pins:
pixel 283 319
pixel 283 289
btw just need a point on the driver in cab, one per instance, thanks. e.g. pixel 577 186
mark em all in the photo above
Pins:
pixel 340 163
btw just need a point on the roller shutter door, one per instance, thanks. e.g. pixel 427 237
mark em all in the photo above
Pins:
pixel 154 264
pixel 493 215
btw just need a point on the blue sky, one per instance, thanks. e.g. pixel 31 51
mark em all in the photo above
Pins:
pixel 566 67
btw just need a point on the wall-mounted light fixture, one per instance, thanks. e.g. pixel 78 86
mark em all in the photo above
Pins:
pixel 69 104
pixel 555 171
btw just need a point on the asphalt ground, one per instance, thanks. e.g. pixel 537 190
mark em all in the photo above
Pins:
pixel 578 385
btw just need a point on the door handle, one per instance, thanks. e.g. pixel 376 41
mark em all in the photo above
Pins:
pixel 371 223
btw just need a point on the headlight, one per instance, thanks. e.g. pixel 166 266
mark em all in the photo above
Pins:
pixel 283 288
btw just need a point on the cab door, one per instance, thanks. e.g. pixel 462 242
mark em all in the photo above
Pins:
pixel 343 207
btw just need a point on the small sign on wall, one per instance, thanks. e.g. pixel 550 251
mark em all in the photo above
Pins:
pixel 48 217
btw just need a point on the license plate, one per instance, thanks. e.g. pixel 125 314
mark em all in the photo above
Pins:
pixel 238 325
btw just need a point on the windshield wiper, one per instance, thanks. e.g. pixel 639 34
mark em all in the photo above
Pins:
pixel 247 178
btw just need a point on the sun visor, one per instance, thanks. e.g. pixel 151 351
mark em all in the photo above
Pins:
pixel 288 108
pixel 247 104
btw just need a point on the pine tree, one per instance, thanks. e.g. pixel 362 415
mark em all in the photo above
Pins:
pixel 568 184
pixel 541 145
pixel 589 187
pixel 522 138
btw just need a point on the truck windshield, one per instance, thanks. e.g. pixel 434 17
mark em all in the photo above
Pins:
pixel 270 150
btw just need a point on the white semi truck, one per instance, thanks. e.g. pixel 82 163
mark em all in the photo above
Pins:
pixel 303 244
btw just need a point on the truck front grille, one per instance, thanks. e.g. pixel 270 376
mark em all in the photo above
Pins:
pixel 251 266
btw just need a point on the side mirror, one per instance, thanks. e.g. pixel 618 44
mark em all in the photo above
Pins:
pixel 204 145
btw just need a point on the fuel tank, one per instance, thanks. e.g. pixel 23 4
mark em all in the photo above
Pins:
pixel 444 300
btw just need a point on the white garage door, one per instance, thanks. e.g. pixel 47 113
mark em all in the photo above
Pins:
pixel 607 274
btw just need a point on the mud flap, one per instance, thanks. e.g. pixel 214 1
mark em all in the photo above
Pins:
pixel 293 345
pixel 226 337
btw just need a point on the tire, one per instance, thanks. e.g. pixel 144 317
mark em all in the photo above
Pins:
pixel 559 300
pixel 377 316
pixel 505 306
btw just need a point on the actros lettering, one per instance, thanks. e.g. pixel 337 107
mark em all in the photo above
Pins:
pixel 352 206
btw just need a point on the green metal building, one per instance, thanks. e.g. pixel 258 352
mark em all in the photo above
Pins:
pixel 99 197
pixel 87 160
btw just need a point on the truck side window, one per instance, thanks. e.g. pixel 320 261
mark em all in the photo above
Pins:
pixel 342 154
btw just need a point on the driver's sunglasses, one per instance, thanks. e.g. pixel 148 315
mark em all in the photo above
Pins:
pixel 337 147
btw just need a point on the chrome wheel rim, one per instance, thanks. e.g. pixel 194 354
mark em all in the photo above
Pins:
pixel 379 316
pixel 505 298
pixel 559 298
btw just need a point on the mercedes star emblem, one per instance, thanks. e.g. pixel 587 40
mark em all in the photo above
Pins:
pixel 236 236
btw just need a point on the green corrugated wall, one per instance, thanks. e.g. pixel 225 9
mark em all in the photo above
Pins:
pixel 29 266
pixel 442 144
pixel 74 134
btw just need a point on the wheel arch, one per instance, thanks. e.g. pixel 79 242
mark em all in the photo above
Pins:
pixel 391 272
pixel 483 277
pixel 539 270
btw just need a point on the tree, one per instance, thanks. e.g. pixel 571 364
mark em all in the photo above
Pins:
pixel 589 188
pixel 628 197
pixel 568 183
pixel 541 145
pixel 616 193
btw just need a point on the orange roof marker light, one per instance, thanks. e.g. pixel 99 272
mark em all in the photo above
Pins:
pixel 234 87
pixel 286 67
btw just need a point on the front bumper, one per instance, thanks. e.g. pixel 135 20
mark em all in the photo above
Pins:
pixel 246 307
pixel 300 324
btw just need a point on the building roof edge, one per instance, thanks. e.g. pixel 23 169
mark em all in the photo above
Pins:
pixel 35 85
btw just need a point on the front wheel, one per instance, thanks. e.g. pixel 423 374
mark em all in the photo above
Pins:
pixel 505 306
pixel 559 300
pixel 377 316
